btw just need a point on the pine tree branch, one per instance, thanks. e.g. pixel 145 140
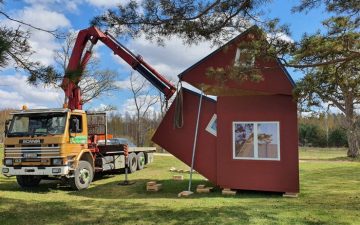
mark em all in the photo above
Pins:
pixel 356 55
pixel 52 32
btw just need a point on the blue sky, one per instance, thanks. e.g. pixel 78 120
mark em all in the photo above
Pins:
pixel 76 14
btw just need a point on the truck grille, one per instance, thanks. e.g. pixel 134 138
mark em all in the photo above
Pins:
pixel 32 152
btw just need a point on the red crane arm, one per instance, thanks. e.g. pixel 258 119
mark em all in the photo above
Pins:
pixel 79 59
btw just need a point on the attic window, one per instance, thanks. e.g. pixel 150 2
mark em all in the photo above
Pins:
pixel 211 127
pixel 244 58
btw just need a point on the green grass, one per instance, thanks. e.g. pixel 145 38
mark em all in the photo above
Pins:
pixel 328 154
pixel 321 153
pixel 330 194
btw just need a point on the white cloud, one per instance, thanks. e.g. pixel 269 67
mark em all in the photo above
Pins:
pixel 59 5
pixel 105 3
pixel 42 43
pixel 40 16
pixel 15 92
pixel 123 84
pixel 280 36
pixel 102 108
pixel 73 5
pixel 169 60
pixel 130 107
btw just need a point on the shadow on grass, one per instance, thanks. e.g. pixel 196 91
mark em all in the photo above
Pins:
pixel 170 189
pixel 335 159
pixel 15 211
pixel 87 212
pixel 345 158
pixel 45 186
pixel 10 184
pixel 111 190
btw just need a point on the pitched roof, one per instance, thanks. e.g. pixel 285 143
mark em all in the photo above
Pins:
pixel 277 81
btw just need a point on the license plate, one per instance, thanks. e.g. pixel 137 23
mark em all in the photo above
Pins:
pixel 30 155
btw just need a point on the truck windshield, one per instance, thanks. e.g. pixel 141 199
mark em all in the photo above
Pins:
pixel 37 124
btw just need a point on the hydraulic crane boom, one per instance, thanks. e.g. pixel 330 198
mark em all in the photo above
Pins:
pixel 78 61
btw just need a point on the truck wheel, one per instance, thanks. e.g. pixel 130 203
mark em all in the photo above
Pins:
pixel 26 181
pixel 132 162
pixel 83 176
pixel 140 161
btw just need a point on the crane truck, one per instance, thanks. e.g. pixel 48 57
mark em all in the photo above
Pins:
pixel 63 143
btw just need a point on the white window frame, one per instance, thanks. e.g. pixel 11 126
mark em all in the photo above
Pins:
pixel 256 146
pixel 237 58
pixel 209 126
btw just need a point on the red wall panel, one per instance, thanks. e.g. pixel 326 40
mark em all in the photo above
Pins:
pixel 264 175
pixel 179 142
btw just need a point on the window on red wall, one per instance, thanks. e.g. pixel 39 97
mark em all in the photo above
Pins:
pixel 211 127
pixel 244 58
pixel 256 140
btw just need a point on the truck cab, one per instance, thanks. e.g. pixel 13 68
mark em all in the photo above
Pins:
pixel 57 143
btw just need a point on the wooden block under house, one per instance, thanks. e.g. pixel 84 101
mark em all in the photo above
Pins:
pixel 178 177
pixel 290 195
pixel 151 183
pixel 204 190
pixel 154 188
pixel 185 193
pixel 228 191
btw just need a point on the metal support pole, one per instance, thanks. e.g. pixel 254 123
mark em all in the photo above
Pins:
pixel 126 171
pixel 195 141
pixel 126 181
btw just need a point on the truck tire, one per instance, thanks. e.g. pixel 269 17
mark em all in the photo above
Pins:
pixel 26 181
pixel 132 162
pixel 140 161
pixel 83 176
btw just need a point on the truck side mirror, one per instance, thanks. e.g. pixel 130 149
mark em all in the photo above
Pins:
pixel 7 123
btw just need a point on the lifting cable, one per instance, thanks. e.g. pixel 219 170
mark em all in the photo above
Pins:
pixel 178 115
pixel 195 141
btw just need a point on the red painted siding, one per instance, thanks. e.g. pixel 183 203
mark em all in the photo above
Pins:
pixel 280 176
pixel 275 78
pixel 179 142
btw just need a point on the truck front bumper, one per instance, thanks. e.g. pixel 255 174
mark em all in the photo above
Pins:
pixel 46 171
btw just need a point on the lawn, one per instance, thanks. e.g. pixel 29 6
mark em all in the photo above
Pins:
pixel 330 194
pixel 321 153
pixel 332 154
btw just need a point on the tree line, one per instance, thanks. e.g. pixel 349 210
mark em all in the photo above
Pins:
pixel 323 130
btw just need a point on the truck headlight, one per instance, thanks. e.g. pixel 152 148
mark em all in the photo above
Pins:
pixel 5 170
pixel 8 162
pixel 57 162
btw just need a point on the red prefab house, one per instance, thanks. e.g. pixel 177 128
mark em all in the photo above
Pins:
pixel 247 137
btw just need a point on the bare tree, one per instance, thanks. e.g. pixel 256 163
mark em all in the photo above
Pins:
pixel 164 103
pixel 143 101
pixel 94 82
